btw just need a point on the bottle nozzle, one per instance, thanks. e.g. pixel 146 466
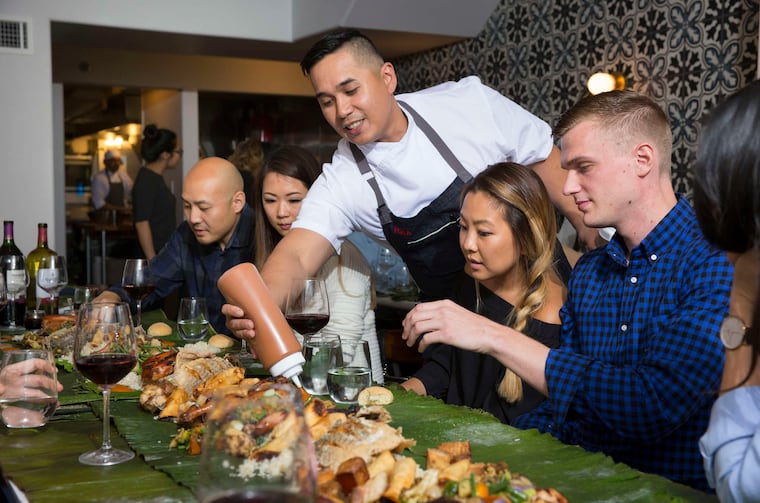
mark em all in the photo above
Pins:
pixel 297 380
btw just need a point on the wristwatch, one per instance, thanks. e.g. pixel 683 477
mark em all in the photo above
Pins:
pixel 732 332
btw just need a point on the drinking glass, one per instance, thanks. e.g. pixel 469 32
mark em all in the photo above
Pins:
pixel 29 387
pixel 352 372
pixel 138 281
pixel 105 350
pixel 52 276
pixel 192 318
pixel 307 309
pixel 83 295
pixel 321 353
pixel 385 263
pixel 16 280
pixel 257 447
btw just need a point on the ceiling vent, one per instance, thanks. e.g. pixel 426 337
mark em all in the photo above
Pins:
pixel 15 36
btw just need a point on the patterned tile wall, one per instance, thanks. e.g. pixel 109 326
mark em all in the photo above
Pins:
pixel 686 54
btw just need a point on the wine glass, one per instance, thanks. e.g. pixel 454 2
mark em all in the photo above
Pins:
pixel 16 280
pixel 307 309
pixel 138 281
pixel 385 262
pixel 52 276
pixel 105 350
pixel 257 447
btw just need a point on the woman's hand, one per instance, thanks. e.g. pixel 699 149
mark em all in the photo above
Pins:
pixel 241 327
pixel 447 322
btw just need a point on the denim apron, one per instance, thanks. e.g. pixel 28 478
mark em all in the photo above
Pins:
pixel 429 241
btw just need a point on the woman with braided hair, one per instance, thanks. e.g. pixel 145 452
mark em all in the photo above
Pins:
pixel 507 225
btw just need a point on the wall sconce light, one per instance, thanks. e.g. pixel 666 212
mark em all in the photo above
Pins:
pixel 602 82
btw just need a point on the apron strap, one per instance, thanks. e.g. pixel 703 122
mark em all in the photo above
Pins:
pixel 435 139
pixel 438 142
pixel 361 161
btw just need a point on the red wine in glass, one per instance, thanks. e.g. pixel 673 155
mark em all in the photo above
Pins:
pixel 139 292
pixel 307 324
pixel 106 369
pixel 105 351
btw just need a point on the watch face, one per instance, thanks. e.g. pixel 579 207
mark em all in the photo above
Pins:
pixel 732 332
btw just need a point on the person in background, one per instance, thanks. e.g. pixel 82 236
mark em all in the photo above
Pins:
pixel 638 353
pixel 111 187
pixel 285 179
pixel 506 233
pixel 153 203
pixel 248 158
pixel 217 234
pixel 398 169
pixel 727 204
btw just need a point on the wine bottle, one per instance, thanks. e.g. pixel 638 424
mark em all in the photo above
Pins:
pixel 36 297
pixel 9 248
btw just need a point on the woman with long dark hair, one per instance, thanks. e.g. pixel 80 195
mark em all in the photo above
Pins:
pixel 727 204
pixel 154 205
pixel 285 178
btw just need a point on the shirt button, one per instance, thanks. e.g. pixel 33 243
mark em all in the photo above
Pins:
pixel 634 279
pixel 653 257
pixel 623 327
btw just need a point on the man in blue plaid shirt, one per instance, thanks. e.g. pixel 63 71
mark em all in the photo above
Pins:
pixel 640 358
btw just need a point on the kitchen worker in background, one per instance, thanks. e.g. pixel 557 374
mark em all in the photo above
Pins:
pixel 111 187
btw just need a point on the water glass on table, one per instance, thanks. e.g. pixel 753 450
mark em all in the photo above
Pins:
pixel 351 374
pixel 192 319
pixel 257 447
pixel 28 388
pixel 321 353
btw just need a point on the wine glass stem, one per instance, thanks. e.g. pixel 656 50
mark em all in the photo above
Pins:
pixel 138 313
pixel 106 419
pixel 12 310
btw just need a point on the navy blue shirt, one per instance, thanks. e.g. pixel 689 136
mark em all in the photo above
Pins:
pixel 184 262
pixel 640 358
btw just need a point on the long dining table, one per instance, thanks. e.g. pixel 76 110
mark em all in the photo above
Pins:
pixel 43 462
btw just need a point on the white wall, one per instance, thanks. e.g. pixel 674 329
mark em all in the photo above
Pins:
pixel 31 166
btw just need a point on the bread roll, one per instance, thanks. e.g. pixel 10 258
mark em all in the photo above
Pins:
pixel 375 395
pixel 159 329
pixel 221 341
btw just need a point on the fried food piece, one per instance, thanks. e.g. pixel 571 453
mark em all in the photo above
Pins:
pixel 402 477
pixel 384 462
pixel 371 491
pixel 351 473
pixel 326 423
pixel 157 367
pixel 455 471
pixel 176 399
pixel 437 459
pixel 457 450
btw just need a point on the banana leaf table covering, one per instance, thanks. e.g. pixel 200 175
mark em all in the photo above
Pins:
pixel 44 461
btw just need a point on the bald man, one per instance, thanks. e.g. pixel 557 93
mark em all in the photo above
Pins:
pixel 217 234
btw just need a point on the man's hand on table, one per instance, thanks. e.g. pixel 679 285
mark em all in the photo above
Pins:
pixel 107 296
